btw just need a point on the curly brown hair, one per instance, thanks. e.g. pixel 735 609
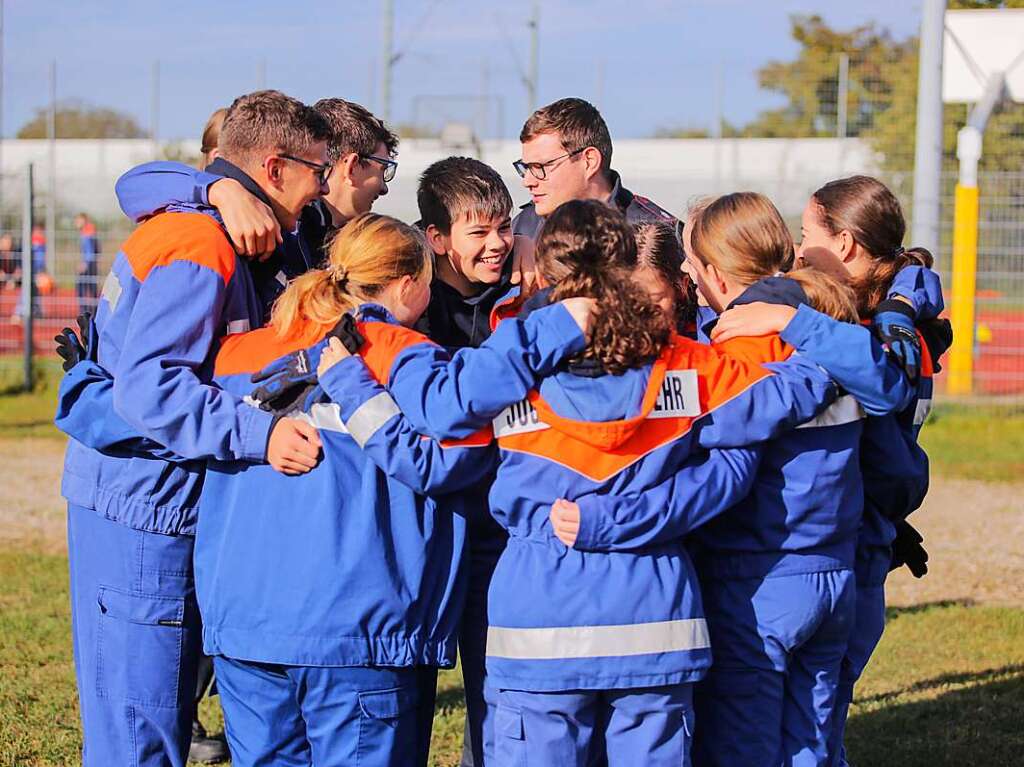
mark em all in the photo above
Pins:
pixel 587 249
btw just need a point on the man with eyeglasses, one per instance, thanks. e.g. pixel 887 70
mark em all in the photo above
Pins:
pixel 567 154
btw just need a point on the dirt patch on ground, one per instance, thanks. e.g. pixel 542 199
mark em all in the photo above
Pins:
pixel 32 511
pixel 974 531
pixel 974 534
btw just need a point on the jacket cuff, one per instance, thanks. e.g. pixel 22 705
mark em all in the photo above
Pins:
pixel 590 514
pixel 201 187
pixel 257 426
pixel 553 331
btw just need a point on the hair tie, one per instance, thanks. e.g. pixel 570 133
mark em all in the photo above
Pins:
pixel 900 250
pixel 779 274
pixel 339 274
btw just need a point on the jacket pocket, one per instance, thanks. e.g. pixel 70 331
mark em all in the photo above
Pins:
pixel 139 644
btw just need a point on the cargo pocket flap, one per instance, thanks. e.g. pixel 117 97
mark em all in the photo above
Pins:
pixel 387 704
pixel 149 609
pixel 509 722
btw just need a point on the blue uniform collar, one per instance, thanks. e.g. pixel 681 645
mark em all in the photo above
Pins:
pixel 371 312
pixel 772 290
pixel 222 167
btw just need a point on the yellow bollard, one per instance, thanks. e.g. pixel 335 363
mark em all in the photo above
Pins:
pixel 961 312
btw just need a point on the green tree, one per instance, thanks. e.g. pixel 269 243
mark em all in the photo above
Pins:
pixel 78 120
pixel 882 97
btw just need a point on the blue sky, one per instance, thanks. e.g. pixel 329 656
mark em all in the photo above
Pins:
pixel 648 63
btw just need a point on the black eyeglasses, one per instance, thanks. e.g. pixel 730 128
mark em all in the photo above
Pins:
pixel 390 166
pixel 539 170
pixel 323 170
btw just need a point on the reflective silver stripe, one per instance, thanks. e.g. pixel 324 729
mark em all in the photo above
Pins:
pixel 282 278
pixel 846 409
pixel 112 290
pixel 597 641
pixel 326 416
pixel 370 416
pixel 237 326
pixel 924 407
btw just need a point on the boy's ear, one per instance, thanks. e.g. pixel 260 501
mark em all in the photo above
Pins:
pixel 437 241
pixel 345 166
pixel 274 168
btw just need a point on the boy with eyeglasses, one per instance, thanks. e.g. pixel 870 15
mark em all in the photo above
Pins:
pixel 567 155
pixel 175 289
pixel 363 150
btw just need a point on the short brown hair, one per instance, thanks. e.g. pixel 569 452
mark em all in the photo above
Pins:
pixel 578 124
pixel 587 249
pixel 270 120
pixel 356 130
pixel 870 212
pixel 458 186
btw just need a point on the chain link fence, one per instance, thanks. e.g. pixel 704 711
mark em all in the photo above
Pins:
pixel 839 113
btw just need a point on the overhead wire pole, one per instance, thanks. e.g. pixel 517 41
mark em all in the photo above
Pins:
pixel 928 143
pixel 532 77
pixel 154 110
pixel 387 60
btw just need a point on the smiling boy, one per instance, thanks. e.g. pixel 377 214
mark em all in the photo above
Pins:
pixel 465 213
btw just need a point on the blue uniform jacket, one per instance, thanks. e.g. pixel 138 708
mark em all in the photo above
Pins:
pixel 353 563
pixel 152 187
pixel 894 467
pixel 804 510
pixel 568 619
pixel 158 348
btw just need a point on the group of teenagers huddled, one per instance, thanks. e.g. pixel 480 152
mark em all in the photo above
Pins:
pixel 644 478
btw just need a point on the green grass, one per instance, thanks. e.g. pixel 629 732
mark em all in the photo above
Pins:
pixel 946 685
pixel 977 442
pixel 29 414
pixel 38 704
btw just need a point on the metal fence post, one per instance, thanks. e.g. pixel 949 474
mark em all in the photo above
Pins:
pixel 28 281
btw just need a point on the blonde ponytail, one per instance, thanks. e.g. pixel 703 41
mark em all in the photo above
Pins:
pixel 364 257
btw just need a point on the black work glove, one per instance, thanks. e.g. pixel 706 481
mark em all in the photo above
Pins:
pixel 286 380
pixel 907 550
pixel 894 325
pixel 74 348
